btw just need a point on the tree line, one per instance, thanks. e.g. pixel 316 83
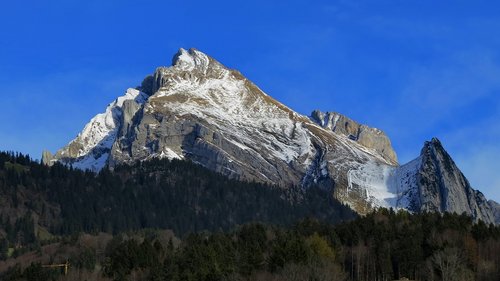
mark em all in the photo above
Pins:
pixel 159 193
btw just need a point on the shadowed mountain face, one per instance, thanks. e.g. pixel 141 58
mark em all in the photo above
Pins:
pixel 442 186
pixel 199 110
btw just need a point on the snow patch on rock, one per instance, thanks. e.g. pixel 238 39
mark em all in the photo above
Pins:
pixel 386 186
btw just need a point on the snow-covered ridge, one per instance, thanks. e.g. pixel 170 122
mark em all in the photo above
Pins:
pixel 188 60
pixel 101 130
pixel 90 149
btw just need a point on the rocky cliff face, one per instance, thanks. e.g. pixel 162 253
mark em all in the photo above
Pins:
pixel 369 137
pixel 198 109
pixel 442 186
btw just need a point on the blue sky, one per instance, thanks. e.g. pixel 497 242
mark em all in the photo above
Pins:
pixel 416 69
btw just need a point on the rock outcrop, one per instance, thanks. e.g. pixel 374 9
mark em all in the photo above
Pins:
pixel 496 210
pixel 369 137
pixel 47 157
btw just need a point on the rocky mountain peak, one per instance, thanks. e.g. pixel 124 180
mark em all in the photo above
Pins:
pixel 433 151
pixel 191 59
pixel 443 187
pixel 433 143
pixel 188 67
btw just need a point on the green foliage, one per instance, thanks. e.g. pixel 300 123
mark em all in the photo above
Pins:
pixel 85 259
pixel 319 247
pixel 383 245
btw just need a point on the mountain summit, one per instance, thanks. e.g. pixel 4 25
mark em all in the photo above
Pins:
pixel 199 110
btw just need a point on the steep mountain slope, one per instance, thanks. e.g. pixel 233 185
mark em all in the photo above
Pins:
pixel 198 109
pixel 443 187
pixel 433 182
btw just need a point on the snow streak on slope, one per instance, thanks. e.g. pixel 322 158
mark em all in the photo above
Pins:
pixel 372 178
pixel 386 186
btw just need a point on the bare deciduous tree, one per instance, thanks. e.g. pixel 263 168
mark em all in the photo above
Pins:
pixel 449 263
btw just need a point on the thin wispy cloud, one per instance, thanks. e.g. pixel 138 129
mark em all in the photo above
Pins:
pixel 476 150
pixel 480 166
pixel 459 81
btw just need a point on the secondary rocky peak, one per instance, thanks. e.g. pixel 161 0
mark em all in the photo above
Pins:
pixel 434 142
pixel 434 151
pixel 367 136
pixel 430 145
pixel 47 157
pixel 443 187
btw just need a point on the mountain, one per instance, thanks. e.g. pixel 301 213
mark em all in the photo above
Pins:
pixel 441 186
pixel 199 110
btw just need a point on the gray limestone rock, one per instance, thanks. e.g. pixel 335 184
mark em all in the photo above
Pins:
pixel 496 210
pixel 47 157
pixel 443 187
pixel 369 137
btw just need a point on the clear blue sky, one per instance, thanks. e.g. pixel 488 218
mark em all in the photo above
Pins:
pixel 416 69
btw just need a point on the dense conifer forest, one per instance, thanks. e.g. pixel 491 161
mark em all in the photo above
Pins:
pixel 176 195
pixel 174 220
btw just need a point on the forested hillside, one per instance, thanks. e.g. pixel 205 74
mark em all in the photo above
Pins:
pixel 174 220
pixel 384 245
pixel 39 201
